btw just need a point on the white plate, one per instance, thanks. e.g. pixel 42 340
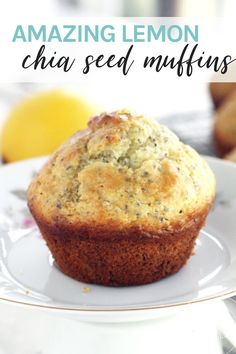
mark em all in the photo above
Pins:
pixel 28 275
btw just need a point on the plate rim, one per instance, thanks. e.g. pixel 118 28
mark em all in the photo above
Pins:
pixel 102 310
pixel 105 310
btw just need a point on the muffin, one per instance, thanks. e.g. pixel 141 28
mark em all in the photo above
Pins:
pixel 220 91
pixel 225 126
pixel 231 156
pixel 122 202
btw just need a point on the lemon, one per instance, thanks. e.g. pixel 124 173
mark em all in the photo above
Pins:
pixel 39 124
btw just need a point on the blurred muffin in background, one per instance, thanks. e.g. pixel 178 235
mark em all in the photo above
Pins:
pixel 225 126
pixel 231 156
pixel 38 124
pixel 220 91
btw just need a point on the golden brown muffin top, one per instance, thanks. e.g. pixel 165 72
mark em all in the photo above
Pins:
pixel 124 169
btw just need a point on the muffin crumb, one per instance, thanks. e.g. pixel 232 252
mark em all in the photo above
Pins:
pixel 85 290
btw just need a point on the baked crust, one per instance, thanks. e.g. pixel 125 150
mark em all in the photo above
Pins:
pixel 109 256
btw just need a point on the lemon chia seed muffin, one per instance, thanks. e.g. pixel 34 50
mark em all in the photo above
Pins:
pixel 225 126
pixel 122 202
pixel 220 91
